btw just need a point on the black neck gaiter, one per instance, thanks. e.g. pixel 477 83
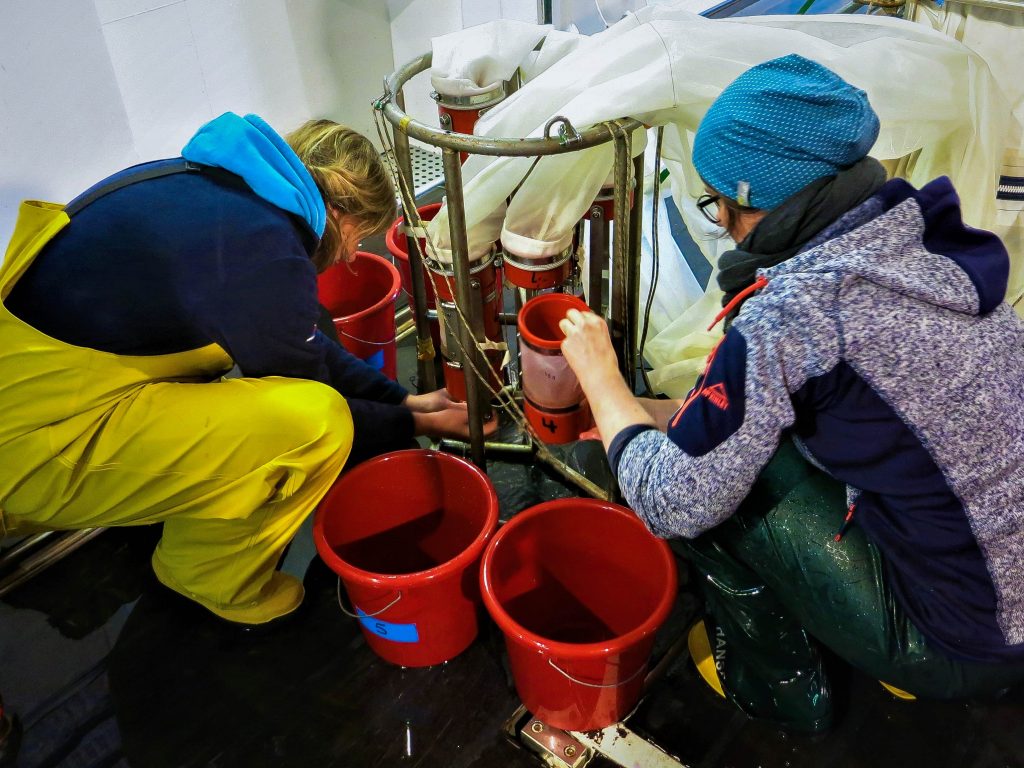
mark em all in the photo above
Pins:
pixel 785 230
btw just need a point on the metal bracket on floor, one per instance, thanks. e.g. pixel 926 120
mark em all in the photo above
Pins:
pixel 557 748
pixel 31 557
pixel 625 748
pixel 576 749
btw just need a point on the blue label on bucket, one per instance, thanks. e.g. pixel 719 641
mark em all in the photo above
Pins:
pixel 397 633
pixel 376 360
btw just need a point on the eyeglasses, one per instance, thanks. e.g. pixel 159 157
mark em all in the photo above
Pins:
pixel 704 202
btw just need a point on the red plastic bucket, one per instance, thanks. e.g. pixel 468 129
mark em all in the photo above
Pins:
pixel 405 532
pixel 397 246
pixel 579 587
pixel 455 377
pixel 361 299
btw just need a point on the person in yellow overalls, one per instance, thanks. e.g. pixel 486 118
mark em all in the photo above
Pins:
pixel 120 315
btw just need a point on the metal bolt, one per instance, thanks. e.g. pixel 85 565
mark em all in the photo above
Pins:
pixel 537 727
pixel 569 751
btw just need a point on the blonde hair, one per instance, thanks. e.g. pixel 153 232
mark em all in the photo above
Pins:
pixel 351 177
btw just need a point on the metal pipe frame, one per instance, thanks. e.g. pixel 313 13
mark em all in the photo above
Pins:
pixel 597 259
pixel 476 390
pixel 633 269
pixel 1014 6
pixel 618 313
pixel 485 145
pixel 38 561
pixel 569 139
pixel 426 373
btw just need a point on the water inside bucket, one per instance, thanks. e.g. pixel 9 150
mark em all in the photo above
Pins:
pixel 418 544
pixel 553 612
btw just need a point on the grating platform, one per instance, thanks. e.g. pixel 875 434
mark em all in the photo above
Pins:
pixel 427 169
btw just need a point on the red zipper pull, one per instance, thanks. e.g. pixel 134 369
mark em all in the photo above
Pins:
pixel 846 524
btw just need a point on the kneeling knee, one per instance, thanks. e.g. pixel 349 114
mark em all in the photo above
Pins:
pixel 316 413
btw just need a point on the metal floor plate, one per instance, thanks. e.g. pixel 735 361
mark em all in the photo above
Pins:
pixel 427 169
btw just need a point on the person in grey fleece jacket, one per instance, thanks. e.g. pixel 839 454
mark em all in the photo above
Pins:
pixel 849 469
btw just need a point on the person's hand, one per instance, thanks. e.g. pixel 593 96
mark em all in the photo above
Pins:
pixel 431 402
pixel 452 422
pixel 588 347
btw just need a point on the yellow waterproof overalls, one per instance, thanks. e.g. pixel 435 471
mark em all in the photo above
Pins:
pixel 232 466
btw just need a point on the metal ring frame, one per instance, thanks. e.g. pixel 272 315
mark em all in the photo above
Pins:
pixel 626 242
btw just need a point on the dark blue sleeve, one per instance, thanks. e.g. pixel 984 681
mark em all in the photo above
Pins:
pixel 355 378
pixel 265 318
pixel 716 407
pixel 378 428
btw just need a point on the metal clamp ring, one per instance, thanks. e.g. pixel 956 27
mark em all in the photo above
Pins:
pixel 475 101
pixel 543 264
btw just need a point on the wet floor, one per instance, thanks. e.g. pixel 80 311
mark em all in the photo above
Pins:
pixel 107 668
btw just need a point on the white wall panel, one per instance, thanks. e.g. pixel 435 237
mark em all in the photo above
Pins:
pixel 413 24
pixel 62 122
pixel 344 52
pixel 520 10
pixel 480 11
pixel 158 71
pixel 113 10
pixel 247 59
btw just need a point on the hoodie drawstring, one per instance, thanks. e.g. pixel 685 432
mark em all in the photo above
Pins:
pixel 846 524
pixel 757 285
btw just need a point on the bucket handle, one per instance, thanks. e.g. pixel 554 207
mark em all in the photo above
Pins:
pixel 347 612
pixel 619 684
pixel 367 341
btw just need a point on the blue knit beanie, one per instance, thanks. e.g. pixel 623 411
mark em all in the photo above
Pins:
pixel 778 127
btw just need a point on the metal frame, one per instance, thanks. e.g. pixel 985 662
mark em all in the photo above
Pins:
pixel 999 5
pixel 625 256
pixel 29 557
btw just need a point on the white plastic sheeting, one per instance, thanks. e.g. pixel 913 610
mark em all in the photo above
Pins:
pixel 590 16
pixel 941 113
pixel 557 45
pixel 998 35
pixel 474 60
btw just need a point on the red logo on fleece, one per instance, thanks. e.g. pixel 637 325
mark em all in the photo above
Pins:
pixel 716 394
